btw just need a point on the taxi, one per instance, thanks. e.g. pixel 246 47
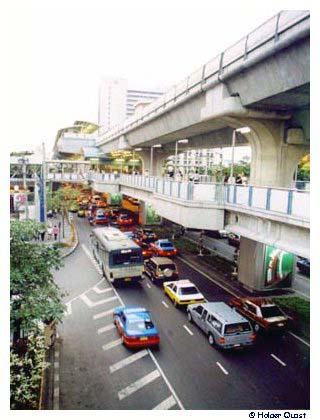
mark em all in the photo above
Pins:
pixel 163 248
pixel 101 203
pixel 182 293
pixel 135 326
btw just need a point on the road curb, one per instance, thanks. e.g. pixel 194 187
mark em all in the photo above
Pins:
pixel 56 376
pixel 74 246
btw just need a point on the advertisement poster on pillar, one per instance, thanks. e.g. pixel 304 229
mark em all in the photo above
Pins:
pixel 278 267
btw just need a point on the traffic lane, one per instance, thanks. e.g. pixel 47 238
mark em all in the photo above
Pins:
pixel 210 289
pixel 291 349
pixel 190 363
pixel 296 371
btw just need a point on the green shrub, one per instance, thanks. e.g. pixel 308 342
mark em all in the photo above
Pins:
pixel 296 307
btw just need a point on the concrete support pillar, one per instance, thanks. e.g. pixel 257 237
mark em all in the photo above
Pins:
pixel 142 213
pixel 159 156
pixel 273 159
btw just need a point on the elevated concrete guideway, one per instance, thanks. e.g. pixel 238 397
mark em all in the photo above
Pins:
pixel 261 82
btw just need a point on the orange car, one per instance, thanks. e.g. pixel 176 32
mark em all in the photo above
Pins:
pixel 101 203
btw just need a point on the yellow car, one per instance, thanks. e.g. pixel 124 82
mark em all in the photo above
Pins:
pixel 182 292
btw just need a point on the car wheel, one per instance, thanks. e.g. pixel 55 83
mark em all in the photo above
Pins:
pixel 190 317
pixel 176 304
pixel 211 339
pixel 122 340
pixel 256 327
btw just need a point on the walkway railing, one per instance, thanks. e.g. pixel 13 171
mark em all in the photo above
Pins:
pixel 293 203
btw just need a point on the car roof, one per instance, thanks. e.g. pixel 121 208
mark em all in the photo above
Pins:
pixel 164 240
pixel 223 312
pixel 183 282
pixel 131 310
pixel 162 260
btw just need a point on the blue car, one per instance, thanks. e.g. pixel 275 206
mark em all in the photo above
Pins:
pixel 129 234
pixel 163 248
pixel 135 327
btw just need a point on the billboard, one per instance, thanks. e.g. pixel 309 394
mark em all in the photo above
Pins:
pixel 278 267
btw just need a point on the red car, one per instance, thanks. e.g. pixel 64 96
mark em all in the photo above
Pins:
pixel 146 251
pixel 124 220
pixel 263 313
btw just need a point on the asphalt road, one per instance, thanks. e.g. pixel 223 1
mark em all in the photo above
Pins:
pixel 96 372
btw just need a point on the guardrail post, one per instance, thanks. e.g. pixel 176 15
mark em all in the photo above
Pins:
pixel 290 199
pixel 179 189
pixel 268 202
pixel 250 196
pixel 235 194
pixel 163 186
pixel 171 188
pixel 190 191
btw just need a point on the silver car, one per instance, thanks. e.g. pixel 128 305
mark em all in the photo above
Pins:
pixel 223 326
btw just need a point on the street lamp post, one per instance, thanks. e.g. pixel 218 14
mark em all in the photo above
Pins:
pixel 156 146
pixel 242 130
pixel 24 162
pixel 176 155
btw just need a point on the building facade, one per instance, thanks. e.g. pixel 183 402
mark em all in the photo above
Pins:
pixel 117 102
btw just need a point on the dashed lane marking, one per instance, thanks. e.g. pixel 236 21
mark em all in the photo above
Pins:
pixel 148 285
pixel 103 314
pixel 187 329
pixel 299 338
pixel 222 368
pixel 91 304
pixel 100 291
pixel 68 311
pixel 111 344
pixel 128 360
pixel 106 328
pixel 166 404
pixel 135 386
pixel 278 360
pixel 164 304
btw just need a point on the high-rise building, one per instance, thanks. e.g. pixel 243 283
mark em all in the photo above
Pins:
pixel 117 102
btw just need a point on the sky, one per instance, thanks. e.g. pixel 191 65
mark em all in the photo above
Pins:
pixel 58 52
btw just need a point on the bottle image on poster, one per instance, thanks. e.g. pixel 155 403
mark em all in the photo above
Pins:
pixel 278 266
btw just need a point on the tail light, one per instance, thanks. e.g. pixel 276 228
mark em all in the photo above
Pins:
pixel 158 273
pixel 222 340
pixel 253 336
pixel 132 338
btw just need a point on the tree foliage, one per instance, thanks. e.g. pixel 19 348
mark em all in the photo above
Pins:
pixel 34 295
pixel 63 198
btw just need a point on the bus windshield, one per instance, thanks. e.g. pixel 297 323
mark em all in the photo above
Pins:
pixel 126 257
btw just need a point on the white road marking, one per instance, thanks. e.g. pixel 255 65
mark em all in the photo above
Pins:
pixel 91 304
pixel 111 344
pixel 148 285
pixel 166 380
pixel 277 359
pixel 91 258
pixel 187 329
pixel 128 360
pixel 99 291
pixel 106 328
pixel 164 304
pixel 300 339
pixel 103 314
pixel 166 404
pixel 156 363
pixel 222 368
pixel 140 383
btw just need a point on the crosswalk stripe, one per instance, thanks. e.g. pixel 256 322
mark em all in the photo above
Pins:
pixel 103 314
pixel 106 328
pixel 128 360
pixel 135 386
pixel 111 344
pixel 166 404
pixel 91 304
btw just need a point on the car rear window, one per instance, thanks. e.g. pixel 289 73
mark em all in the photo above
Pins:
pixel 270 311
pixel 169 266
pixel 166 245
pixel 191 290
pixel 135 325
pixel 237 328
